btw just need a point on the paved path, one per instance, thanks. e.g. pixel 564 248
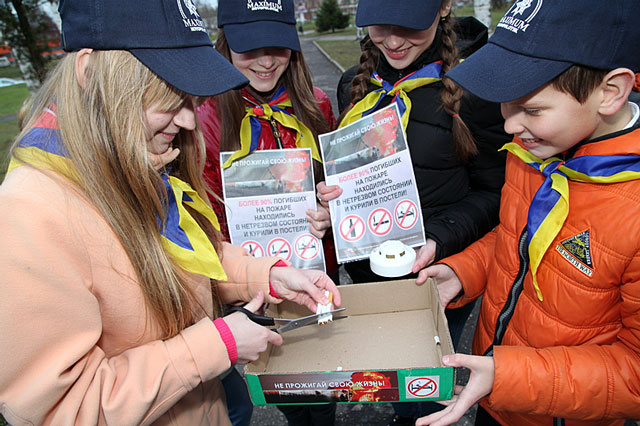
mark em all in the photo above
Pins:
pixel 326 75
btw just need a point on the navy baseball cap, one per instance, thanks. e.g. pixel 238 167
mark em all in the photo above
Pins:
pixel 537 40
pixel 256 24
pixel 414 14
pixel 168 36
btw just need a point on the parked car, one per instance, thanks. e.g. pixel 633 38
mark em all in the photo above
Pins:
pixel 4 82
pixel 4 61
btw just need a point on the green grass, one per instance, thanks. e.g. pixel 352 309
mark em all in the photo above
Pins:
pixel 11 72
pixel 10 127
pixel 11 99
pixel 344 52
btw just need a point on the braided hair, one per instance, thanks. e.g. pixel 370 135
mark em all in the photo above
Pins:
pixel 464 143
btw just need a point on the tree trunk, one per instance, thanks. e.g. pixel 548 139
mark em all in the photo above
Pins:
pixel 482 11
pixel 29 57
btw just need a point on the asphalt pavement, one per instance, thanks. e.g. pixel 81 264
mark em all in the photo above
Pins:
pixel 325 75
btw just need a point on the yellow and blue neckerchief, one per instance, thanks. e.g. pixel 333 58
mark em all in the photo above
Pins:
pixel 428 74
pixel 274 109
pixel 550 205
pixel 181 235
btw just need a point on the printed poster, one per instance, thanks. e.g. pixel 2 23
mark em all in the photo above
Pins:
pixel 266 195
pixel 370 160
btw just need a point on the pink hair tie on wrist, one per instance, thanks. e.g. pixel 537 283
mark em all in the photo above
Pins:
pixel 456 115
pixel 272 292
pixel 227 338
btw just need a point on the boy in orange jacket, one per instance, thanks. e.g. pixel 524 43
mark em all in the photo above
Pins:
pixel 558 337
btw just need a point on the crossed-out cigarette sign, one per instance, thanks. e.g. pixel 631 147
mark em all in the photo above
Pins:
pixel 380 222
pixel 279 247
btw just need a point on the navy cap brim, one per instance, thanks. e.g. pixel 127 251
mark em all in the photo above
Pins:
pixel 496 74
pixel 260 34
pixel 399 13
pixel 198 70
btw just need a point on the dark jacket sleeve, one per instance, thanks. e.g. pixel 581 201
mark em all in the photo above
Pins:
pixel 344 88
pixel 461 223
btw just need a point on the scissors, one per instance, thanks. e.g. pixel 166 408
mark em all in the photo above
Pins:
pixel 282 324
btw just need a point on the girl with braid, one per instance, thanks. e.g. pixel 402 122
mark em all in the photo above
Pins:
pixel 452 135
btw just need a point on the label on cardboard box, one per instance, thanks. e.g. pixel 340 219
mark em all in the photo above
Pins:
pixel 352 386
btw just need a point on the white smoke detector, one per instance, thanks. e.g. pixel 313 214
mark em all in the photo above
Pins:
pixel 392 259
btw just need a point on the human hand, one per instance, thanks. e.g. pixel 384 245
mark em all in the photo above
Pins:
pixel 425 256
pixel 327 193
pixel 303 286
pixel 319 221
pixel 480 385
pixel 251 338
pixel 158 161
pixel 449 285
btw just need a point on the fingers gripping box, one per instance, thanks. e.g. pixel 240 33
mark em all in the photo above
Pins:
pixel 388 349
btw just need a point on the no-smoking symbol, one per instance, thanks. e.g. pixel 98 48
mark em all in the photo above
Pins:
pixel 380 222
pixel 406 213
pixel 422 387
pixel 279 247
pixel 307 247
pixel 352 228
pixel 253 248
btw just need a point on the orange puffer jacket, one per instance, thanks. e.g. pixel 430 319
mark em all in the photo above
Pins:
pixel 576 354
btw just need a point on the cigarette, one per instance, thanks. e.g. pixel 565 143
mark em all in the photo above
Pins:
pixel 323 309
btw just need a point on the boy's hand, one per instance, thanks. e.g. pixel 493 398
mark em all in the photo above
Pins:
pixel 449 285
pixel 425 256
pixel 319 220
pixel 480 385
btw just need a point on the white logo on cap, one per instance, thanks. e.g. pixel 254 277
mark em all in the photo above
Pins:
pixel 521 6
pixel 510 22
pixel 265 5
pixel 194 24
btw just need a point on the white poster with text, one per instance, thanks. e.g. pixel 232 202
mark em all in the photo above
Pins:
pixel 266 194
pixel 369 159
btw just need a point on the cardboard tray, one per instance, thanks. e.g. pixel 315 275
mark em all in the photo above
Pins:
pixel 388 349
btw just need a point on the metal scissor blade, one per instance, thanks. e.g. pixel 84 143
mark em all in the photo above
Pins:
pixel 301 322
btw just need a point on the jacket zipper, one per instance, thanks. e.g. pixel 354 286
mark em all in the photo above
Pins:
pixel 514 294
pixel 510 306
pixel 276 134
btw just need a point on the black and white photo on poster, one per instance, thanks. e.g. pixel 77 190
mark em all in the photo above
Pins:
pixel 369 159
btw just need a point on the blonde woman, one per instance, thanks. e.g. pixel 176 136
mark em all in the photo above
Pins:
pixel 113 269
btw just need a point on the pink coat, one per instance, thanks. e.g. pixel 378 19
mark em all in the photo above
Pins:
pixel 75 344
